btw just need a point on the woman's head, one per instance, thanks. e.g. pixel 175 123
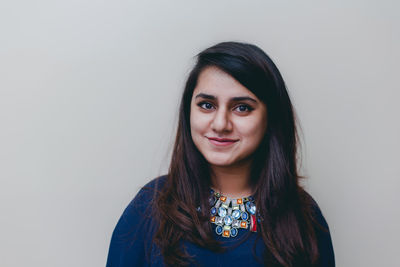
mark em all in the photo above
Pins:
pixel 232 69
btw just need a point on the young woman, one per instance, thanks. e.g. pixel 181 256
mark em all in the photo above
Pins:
pixel 232 195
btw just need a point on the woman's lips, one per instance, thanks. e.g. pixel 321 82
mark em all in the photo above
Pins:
pixel 221 141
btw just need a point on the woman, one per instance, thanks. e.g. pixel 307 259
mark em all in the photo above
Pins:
pixel 232 194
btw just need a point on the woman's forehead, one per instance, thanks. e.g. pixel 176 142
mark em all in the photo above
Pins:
pixel 214 82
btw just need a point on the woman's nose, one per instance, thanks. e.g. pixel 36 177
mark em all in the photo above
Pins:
pixel 221 121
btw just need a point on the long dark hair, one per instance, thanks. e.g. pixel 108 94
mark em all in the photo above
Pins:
pixel 286 225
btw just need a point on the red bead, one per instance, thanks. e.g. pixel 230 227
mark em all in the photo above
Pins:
pixel 253 224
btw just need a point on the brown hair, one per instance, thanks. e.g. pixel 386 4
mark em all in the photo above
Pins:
pixel 286 224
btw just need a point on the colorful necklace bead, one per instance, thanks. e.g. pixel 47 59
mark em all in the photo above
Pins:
pixel 230 215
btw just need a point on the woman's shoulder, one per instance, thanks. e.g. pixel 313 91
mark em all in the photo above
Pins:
pixel 132 236
pixel 153 186
pixel 147 194
pixel 316 212
pixel 325 246
pixel 139 211
pixel 156 183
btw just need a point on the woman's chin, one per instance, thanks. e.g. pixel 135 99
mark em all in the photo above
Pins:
pixel 228 162
pixel 218 162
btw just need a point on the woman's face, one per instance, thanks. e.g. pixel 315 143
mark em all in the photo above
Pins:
pixel 227 121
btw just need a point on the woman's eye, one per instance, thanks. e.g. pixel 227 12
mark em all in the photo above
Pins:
pixel 244 108
pixel 205 105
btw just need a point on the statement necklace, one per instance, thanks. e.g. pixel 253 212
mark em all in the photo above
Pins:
pixel 230 215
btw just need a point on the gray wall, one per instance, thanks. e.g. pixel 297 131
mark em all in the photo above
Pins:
pixel 88 101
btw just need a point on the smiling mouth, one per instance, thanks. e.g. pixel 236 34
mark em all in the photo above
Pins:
pixel 221 141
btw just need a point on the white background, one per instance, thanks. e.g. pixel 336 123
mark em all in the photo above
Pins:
pixel 89 95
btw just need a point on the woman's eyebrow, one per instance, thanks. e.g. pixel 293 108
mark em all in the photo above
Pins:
pixel 237 98
pixel 206 96
pixel 243 98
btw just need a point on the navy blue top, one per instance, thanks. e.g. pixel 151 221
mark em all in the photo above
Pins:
pixel 131 242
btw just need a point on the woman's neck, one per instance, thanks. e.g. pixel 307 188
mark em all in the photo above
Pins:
pixel 232 181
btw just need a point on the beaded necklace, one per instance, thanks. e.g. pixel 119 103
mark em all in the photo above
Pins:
pixel 229 215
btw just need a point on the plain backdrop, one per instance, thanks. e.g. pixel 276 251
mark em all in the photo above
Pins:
pixel 89 93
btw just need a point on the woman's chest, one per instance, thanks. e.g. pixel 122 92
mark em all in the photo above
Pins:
pixel 247 252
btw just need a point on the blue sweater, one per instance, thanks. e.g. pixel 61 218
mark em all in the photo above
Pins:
pixel 131 242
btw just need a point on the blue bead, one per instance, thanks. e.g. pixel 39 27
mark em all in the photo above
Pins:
pixel 213 211
pixel 221 212
pixel 212 200
pixel 218 229
pixel 251 207
pixel 228 220
pixel 234 232
pixel 236 214
pixel 245 216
